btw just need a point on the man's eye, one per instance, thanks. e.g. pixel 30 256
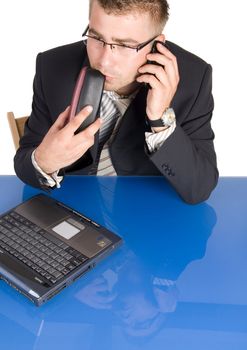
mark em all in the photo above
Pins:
pixel 128 46
pixel 96 38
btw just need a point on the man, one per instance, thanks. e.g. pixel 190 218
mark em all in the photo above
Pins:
pixel 162 112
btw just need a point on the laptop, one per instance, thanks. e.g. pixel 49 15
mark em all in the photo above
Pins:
pixel 45 246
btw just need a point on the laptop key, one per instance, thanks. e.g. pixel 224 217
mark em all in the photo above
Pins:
pixel 71 250
pixel 54 264
pixel 46 267
pixel 57 274
pixel 3 230
pixel 48 276
pixel 59 268
pixel 65 271
pixel 53 280
pixel 51 238
pixel 68 256
pixel 65 262
pixel 64 246
pixel 75 262
pixel 57 250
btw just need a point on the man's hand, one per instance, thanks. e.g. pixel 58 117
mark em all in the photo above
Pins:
pixel 60 146
pixel 163 81
pixel 97 294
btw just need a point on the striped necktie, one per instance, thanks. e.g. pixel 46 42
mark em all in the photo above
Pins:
pixel 110 114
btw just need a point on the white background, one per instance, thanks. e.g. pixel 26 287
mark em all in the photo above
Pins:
pixel 214 30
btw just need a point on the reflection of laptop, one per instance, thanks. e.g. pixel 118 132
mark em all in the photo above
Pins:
pixel 45 246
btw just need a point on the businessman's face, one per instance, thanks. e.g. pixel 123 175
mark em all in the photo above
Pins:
pixel 120 66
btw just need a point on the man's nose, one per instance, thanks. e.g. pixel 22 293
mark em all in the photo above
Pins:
pixel 107 56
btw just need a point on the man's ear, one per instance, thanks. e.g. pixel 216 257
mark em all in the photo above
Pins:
pixel 161 37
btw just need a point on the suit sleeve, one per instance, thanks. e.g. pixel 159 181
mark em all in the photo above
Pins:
pixel 36 127
pixel 187 158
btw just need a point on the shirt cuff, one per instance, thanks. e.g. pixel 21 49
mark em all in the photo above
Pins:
pixel 155 140
pixel 50 180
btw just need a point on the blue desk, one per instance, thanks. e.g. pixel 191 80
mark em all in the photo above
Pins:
pixel 178 282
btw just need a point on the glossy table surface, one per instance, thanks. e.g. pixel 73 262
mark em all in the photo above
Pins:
pixel 179 281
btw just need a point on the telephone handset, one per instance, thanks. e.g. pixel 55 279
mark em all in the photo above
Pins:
pixel 155 50
pixel 88 91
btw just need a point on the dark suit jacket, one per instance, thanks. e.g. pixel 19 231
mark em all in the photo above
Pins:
pixel 187 158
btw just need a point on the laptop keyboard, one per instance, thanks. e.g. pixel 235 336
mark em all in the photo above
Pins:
pixel 42 252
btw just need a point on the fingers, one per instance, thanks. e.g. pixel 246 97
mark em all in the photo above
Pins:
pixel 84 139
pixel 150 79
pixel 162 74
pixel 156 75
pixel 94 127
pixel 158 71
pixel 71 126
pixel 167 54
pixel 89 132
pixel 76 122
pixel 167 60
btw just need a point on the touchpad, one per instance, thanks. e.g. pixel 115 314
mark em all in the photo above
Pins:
pixel 66 230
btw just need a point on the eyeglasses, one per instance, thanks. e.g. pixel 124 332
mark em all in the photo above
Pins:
pixel 125 50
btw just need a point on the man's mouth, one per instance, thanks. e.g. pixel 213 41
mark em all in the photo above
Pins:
pixel 108 78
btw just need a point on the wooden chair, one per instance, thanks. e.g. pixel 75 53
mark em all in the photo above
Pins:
pixel 16 127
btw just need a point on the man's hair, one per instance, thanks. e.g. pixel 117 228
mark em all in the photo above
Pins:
pixel 158 9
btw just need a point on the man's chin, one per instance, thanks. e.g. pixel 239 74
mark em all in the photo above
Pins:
pixel 110 86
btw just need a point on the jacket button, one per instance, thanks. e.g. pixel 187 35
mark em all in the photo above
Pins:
pixel 165 166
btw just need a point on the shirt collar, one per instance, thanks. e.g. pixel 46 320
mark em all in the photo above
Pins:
pixel 115 96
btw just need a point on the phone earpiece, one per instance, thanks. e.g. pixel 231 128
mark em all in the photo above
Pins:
pixel 155 50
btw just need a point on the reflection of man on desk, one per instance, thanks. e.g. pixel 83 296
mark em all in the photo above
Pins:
pixel 164 130
pixel 141 289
